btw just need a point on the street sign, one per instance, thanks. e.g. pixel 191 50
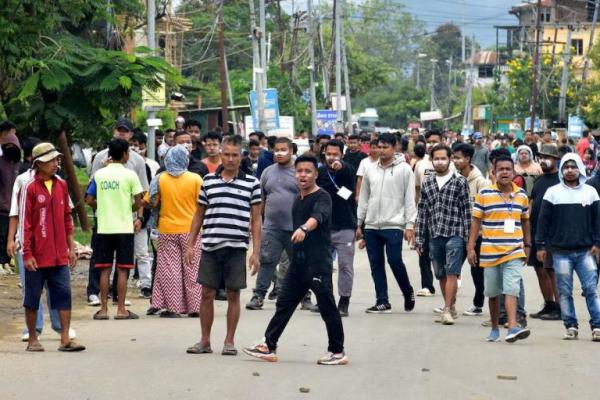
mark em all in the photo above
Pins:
pixel 154 100
pixel 326 122
pixel 575 126
pixel 271 108
pixel 537 125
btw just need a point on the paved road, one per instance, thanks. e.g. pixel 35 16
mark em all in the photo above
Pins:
pixel 402 355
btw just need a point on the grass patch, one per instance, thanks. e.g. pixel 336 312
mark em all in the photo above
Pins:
pixel 82 176
pixel 84 238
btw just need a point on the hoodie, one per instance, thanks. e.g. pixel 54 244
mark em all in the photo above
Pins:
pixel 476 182
pixel 533 168
pixel 387 197
pixel 9 169
pixel 569 217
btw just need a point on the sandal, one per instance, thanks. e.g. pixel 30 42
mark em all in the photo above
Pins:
pixel 198 348
pixel 169 314
pixel 71 346
pixel 229 350
pixel 35 347
pixel 129 315
pixel 98 316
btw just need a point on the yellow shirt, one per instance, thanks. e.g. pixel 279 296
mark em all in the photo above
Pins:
pixel 178 202
pixel 49 183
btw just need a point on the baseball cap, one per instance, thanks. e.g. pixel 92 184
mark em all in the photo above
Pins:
pixel 477 136
pixel 124 123
pixel 44 152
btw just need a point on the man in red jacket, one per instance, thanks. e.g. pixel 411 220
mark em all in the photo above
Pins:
pixel 48 246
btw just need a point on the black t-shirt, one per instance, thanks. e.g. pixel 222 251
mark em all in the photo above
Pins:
pixel 344 211
pixel 354 159
pixel 314 253
pixel 541 185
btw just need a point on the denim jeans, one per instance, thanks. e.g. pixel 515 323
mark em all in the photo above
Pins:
pixel 582 262
pixel 386 242
pixel 39 324
pixel 447 255
pixel 521 313
pixel 273 243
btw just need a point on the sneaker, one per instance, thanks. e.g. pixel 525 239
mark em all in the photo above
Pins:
pixel 487 323
pixel 438 310
pixel 273 294
pixel 453 312
pixel 255 303
pixel 127 303
pixel 145 293
pixel 446 318
pixel 545 309
pixel 93 300
pixel 596 335
pixel 571 334
pixel 409 301
pixel 307 305
pixel 459 283
pixel 553 315
pixel 315 309
pixel 515 334
pixel 494 336
pixel 72 334
pixel 473 311
pixel 380 309
pixel 25 336
pixel 424 293
pixel 152 311
pixel 333 359
pixel 261 351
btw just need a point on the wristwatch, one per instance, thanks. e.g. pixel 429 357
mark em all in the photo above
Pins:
pixel 304 228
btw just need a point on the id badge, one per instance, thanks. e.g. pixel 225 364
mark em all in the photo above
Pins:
pixel 509 226
pixel 344 193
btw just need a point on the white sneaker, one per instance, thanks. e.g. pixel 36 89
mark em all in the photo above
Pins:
pixel 596 335
pixel 473 311
pixel 458 283
pixel 93 300
pixel 438 310
pixel 424 293
pixel 72 334
pixel 25 337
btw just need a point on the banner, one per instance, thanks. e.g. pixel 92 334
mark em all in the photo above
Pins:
pixel 326 122
pixel 271 108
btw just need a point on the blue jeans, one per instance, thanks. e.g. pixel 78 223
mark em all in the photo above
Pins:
pixel 39 324
pixel 388 242
pixel 447 255
pixel 584 265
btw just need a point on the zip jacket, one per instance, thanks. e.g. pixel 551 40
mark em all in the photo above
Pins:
pixel 387 196
pixel 47 222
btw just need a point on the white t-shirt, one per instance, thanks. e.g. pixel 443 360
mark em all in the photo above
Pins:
pixel 20 181
pixel 153 165
pixel 442 180
pixel 423 168
pixel 364 164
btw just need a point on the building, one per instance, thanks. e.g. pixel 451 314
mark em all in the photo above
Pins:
pixel 484 65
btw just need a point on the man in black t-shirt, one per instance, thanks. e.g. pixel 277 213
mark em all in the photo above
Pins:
pixel 548 159
pixel 338 179
pixel 353 155
pixel 310 268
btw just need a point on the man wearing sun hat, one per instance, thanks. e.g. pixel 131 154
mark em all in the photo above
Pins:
pixel 46 234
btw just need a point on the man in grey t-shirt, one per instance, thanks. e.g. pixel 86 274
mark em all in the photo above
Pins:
pixel 480 157
pixel 278 191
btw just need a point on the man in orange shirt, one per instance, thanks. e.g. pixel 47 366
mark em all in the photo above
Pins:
pixel 212 145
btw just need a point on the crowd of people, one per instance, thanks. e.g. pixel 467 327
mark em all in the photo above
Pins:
pixel 184 225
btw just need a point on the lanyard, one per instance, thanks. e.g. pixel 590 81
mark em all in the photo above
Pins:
pixel 332 179
pixel 512 202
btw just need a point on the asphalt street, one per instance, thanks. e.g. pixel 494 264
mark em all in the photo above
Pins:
pixel 395 356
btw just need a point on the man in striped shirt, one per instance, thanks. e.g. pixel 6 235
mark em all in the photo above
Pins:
pixel 228 207
pixel 501 213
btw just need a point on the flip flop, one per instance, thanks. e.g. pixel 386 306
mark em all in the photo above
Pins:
pixel 71 346
pixel 98 316
pixel 198 348
pixel 35 347
pixel 129 315
pixel 229 350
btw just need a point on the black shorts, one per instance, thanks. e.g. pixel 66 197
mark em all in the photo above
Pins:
pixel 59 287
pixel 224 265
pixel 533 261
pixel 108 244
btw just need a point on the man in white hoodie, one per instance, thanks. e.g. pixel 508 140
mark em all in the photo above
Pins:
pixel 387 213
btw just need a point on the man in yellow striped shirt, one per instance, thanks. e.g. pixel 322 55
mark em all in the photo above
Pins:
pixel 501 215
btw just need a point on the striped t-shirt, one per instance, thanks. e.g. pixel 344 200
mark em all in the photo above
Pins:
pixel 494 209
pixel 227 217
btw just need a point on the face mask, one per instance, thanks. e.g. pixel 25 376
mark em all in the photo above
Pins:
pixel 281 153
pixel 546 163
pixel 188 147
pixel 440 163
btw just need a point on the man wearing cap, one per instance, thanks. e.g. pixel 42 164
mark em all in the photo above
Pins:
pixel 46 235
pixel 481 154
pixel 136 163
pixel 548 158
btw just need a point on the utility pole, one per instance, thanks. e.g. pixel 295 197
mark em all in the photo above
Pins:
pixel 257 70
pixel 464 45
pixel 263 41
pixel 230 95
pixel 346 82
pixel 562 100
pixel 469 83
pixel 338 66
pixel 223 71
pixel 586 64
pixel 151 29
pixel 534 67
pixel 432 105
pixel 311 70
pixel 324 66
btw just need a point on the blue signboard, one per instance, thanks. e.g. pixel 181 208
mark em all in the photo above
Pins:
pixel 326 122
pixel 575 126
pixel 537 125
pixel 271 108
